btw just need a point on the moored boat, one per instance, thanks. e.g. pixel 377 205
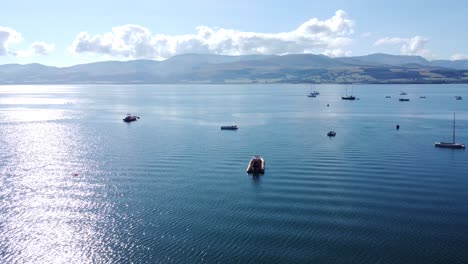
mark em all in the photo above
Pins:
pixel 130 118
pixel 450 144
pixel 256 166
pixel 233 127
pixel 331 133
pixel 348 97
pixel 403 99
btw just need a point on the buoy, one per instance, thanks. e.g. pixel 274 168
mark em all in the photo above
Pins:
pixel 328 105
pixel 397 126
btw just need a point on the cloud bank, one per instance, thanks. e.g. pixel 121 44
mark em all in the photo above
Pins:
pixel 9 36
pixel 409 46
pixel 459 56
pixel 330 36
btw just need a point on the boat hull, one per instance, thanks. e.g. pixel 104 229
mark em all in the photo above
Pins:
pixel 348 98
pixel 229 128
pixel 129 119
pixel 449 145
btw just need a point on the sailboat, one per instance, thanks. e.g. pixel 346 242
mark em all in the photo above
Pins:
pixel 452 144
pixel 350 97
pixel 313 94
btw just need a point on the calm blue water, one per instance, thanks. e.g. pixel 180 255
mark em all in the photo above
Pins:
pixel 172 187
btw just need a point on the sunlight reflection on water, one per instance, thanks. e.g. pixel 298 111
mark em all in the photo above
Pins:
pixel 57 217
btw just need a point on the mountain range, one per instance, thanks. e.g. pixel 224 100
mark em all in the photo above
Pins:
pixel 209 68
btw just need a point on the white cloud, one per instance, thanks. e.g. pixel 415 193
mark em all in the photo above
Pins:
pixel 37 48
pixel 336 53
pixel 409 46
pixel 8 36
pixel 135 41
pixel 459 56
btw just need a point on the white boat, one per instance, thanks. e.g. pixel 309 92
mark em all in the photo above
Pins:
pixel 450 144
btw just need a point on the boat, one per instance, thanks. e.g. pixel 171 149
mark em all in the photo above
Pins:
pixel 130 118
pixel 331 133
pixel 256 166
pixel 233 127
pixel 450 144
pixel 388 96
pixel 348 97
pixel 422 97
pixel 458 97
pixel 313 94
pixel 403 93
pixel 403 99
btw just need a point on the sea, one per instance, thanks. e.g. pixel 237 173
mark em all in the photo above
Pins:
pixel 79 185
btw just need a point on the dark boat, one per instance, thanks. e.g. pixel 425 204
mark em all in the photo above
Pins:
pixel 450 144
pixel 403 99
pixel 348 97
pixel 234 127
pixel 130 118
pixel 331 133
pixel 256 166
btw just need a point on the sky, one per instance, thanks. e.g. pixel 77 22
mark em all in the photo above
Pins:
pixel 64 33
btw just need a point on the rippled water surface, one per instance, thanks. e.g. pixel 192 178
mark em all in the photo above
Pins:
pixel 78 185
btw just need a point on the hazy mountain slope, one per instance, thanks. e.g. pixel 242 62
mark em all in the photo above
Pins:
pixel 208 68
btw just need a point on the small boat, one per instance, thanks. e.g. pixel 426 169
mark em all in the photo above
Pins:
pixel 233 127
pixel 388 96
pixel 130 118
pixel 422 97
pixel 458 97
pixel 348 97
pixel 256 166
pixel 403 99
pixel 313 94
pixel 450 144
pixel 403 93
pixel 331 133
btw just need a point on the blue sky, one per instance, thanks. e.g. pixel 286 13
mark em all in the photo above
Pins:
pixel 63 33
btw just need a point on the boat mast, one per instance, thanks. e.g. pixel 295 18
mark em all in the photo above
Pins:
pixel 453 127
